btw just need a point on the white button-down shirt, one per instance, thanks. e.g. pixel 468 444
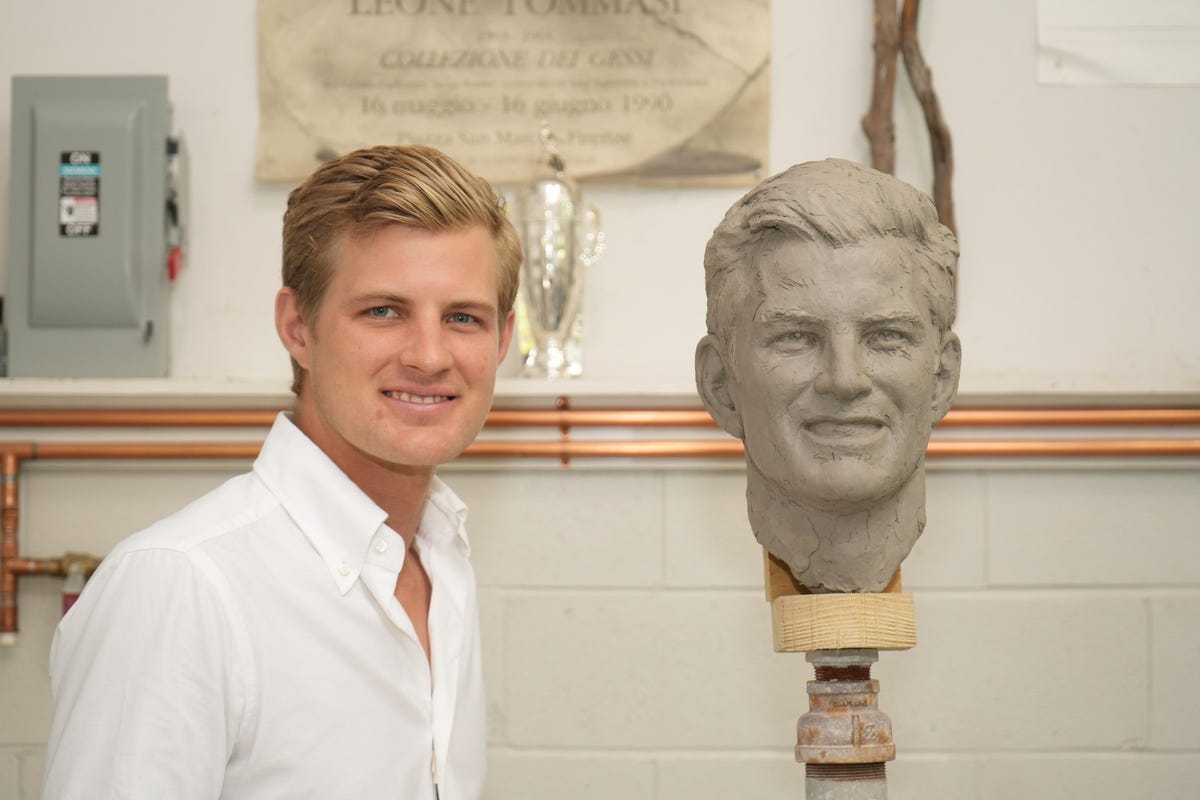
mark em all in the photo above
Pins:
pixel 251 646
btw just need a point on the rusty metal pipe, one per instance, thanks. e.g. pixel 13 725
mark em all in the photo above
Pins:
pixel 844 739
pixel 845 782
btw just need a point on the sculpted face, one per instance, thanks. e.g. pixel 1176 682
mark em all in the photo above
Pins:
pixel 838 372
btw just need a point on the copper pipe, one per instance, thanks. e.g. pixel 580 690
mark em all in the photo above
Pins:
pixel 148 450
pixel 632 418
pixel 1065 448
pixel 136 418
pixel 249 418
pixel 625 449
pixel 567 417
pixel 1069 417
pixel 11 564
pixel 54 566
pixel 13 453
pixel 10 466
pixel 724 448
pixel 36 566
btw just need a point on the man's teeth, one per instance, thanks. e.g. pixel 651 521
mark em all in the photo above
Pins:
pixel 417 398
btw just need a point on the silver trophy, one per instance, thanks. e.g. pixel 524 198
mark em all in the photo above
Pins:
pixel 561 240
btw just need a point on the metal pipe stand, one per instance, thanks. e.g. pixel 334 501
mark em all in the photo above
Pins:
pixel 844 739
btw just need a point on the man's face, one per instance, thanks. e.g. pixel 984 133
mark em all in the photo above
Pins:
pixel 835 373
pixel 401 357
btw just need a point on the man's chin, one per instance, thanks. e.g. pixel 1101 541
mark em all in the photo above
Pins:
pixel 420 455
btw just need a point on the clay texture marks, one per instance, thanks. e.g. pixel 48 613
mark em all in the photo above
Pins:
pixel 829 352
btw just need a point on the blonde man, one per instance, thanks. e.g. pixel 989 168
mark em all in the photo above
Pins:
pixel 310 629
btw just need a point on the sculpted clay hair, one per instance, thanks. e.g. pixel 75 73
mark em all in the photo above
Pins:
pixel 838 203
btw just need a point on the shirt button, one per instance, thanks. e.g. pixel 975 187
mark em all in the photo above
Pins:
pixel 344 569
pixel 380 546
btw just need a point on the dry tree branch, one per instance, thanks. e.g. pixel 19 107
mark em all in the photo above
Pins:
pixel 877 124
pixel 939 134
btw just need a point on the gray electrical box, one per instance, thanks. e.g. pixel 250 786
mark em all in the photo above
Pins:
pixel 95 227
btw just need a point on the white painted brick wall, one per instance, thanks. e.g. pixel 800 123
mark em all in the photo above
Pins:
pixel 1094 528
pixel 534 528
pixel 1175 672
pixel 21 771
pixel 627 643
pixel 1021 671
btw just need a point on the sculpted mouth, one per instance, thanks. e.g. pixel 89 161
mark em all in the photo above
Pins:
pixel 419 399
pixel 834 427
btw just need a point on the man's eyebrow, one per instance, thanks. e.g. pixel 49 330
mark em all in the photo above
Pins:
pixel 388 299
pixel 478 306
pixel 378 298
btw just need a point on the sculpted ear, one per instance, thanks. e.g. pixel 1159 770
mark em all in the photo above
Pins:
pixel 713 384
pixel 949 367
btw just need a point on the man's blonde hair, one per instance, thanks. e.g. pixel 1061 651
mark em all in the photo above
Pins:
pixel 368 189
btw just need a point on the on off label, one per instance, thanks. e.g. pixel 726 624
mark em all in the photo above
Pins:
pixel 79 193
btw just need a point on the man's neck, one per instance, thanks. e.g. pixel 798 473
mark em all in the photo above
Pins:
pixel 400 490
pixel 838 551
pixel 402 494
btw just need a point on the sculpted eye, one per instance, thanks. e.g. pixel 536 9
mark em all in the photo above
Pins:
pixel 889 339
pixel 795 340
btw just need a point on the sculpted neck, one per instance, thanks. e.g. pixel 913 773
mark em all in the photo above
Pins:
pixel 854 550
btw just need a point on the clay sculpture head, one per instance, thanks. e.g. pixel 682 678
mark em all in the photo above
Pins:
pixel 830 354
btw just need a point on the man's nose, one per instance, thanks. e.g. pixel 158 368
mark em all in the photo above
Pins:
pixel 426 348
pixel 843 371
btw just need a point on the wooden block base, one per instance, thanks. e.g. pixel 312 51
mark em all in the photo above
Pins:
pixel 802 622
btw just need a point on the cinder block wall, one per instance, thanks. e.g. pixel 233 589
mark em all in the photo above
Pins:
pixel 630 647
pixel 628 643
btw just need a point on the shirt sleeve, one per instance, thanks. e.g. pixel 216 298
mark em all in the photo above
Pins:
pixel 145 676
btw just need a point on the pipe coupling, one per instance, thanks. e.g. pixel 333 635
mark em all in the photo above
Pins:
pixel 844 725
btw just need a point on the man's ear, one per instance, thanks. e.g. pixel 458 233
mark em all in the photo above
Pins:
pixel 949 368
pixel 506 334
pixel 712 382
pixel 290 325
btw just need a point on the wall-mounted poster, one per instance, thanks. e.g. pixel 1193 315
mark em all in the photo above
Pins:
pixel 656 91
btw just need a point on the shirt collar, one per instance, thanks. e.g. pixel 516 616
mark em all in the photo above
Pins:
pixel 338 518
pixel 444 520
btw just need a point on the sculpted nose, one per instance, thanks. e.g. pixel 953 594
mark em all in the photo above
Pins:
pixel 426 349
pixel 843 372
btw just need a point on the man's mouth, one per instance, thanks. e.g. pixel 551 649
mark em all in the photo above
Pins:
pixel 419 399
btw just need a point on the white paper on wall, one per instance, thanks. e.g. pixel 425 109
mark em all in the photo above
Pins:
pixel 1142 42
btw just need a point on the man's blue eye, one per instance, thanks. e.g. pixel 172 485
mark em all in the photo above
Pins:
pixel 461 319
pixel 381 312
